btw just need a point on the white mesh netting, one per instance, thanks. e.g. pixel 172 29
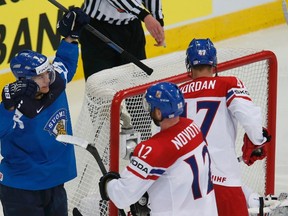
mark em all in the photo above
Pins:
pixel 94 120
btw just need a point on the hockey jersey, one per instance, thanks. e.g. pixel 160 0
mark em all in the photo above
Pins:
pixel 217 104
pixel 173 166
pixel 32 158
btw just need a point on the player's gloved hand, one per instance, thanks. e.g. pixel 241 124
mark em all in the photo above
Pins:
pixel 140 208
pixel 103 181
pixel 251 152
pixel 266 135
pixel 13 92
pixel 72 22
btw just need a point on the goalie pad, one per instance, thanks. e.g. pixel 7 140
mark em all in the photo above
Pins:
pixel 125 118
pixel 272 206
pixel 129 138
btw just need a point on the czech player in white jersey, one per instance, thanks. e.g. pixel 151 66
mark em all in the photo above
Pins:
pixel 173 166
pixel 217 104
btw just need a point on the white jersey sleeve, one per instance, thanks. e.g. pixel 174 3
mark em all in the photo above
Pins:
pixel 249 117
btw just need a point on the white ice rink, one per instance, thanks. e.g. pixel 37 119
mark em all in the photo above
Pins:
pixel 274 39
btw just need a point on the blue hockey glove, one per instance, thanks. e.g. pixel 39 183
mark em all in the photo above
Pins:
pixel 13 92
pixel 103 181
pixel 72 23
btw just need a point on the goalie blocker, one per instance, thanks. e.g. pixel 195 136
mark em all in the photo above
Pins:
pixel 251 152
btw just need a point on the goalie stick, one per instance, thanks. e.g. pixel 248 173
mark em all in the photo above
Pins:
pixel 110 43
pixel 94 152
pixel 285 10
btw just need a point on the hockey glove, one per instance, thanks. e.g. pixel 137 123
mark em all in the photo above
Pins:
pixel 13 92
pixel 140 208
pixel 103 181
pixel 251 152
pixel 72 22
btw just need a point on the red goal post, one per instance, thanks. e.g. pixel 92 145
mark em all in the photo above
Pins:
pixel 107 90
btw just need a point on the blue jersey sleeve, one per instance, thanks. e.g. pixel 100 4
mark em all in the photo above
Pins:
pixel 66 60
pixel 6 119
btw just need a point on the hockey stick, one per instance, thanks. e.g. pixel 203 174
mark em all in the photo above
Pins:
pixel 76 212
pixel 90 148
pixel 285 10
pixel 110 43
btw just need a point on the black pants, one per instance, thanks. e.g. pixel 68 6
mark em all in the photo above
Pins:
pixel 97 55
pixel 49 202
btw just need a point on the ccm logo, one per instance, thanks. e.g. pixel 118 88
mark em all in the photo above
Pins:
pixel 139 166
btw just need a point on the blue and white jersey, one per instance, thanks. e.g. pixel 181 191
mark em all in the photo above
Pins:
pixel 32 158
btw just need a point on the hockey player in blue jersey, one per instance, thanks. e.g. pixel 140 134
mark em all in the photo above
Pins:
pixel 33 111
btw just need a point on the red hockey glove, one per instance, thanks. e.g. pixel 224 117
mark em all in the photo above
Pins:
pixel 251 152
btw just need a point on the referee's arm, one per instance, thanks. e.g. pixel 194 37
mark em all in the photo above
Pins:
pixel 155 8
pixel 153 24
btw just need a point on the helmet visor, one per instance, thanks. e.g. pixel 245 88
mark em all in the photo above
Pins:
pixel 52 74
pixel 48 74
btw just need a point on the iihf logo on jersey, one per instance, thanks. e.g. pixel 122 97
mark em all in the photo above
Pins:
pixel 57 124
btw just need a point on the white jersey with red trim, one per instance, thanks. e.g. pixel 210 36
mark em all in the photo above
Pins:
pixel 173 166
pixel 217 104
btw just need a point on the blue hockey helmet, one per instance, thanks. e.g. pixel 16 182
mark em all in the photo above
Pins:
pixel 200 52
pixel 27 64
pixel 165 96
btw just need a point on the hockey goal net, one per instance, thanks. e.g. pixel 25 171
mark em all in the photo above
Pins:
pixel 99 121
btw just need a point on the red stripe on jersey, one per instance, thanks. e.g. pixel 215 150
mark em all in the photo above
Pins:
pixel 151 177
pixel 229 87
pixel 228 102
pixel 164 148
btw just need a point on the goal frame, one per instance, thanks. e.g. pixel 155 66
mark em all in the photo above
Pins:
pixel 271 111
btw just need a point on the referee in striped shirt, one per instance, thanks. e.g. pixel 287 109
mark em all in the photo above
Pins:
pixel 120 21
